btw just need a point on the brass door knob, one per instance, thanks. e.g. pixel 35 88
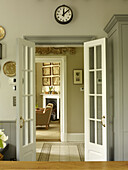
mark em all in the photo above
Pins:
pixel 103 124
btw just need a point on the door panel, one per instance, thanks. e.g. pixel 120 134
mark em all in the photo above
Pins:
pixel 95 100
pixel 26 143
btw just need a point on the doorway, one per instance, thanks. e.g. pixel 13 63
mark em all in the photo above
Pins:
pixel 58 115
pixel 48 85
pixel 64 134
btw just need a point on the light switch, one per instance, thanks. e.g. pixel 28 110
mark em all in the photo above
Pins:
pixel 14 100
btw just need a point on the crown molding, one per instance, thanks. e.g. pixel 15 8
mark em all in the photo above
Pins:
pixel 114 20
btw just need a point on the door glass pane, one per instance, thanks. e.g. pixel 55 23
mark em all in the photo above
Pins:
pixel 25 107
pixel 92 131
pixel 98 57
pixel 99 133
pixel 30 82
pixel 30 59
pixel 99 107
pixel 24 136
pixel 30 107
pixel 26 57
pixel 92 83
pixel 25 82
pixel 29 132
pixel 99 82
pixel 92 107
pixel 91 58
pixel 23 58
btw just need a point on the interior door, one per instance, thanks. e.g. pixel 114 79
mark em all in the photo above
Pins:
pixel 95 100
pixel 26 141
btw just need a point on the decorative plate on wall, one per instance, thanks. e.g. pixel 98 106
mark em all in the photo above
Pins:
pixel 2 32
pixel 9 68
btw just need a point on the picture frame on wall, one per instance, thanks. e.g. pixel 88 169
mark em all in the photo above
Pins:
pixel 56 63
pixel 46 71
pixel 77 76
pixel 46 64
pixel 46 81
pixel 56 81
pixel 56 70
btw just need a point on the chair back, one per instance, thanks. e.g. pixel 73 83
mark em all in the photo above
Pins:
pixel 49 104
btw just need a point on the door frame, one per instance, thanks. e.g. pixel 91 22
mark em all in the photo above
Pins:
pixel 60 40
pixel 63 89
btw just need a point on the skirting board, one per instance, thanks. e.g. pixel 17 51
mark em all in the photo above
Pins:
pixel 78 137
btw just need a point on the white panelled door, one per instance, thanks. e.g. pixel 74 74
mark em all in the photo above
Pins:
pixel 25 72
pixel 95 100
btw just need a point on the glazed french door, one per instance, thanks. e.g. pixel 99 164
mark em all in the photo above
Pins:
pixel 95 100
pixel 26 142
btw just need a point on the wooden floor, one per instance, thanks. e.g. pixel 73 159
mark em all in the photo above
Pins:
pixel 64 165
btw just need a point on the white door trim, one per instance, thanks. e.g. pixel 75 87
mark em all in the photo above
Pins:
pixel 63 87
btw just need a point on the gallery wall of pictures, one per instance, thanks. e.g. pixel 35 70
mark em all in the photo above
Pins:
pixel 51 74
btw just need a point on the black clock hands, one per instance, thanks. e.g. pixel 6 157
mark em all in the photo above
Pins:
pixel 64 12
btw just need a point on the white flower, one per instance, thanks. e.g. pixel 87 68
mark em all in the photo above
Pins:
pixel 3 138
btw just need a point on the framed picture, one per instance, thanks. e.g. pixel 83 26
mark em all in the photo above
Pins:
pixel 46 64
pixel 56 81
pixel 56 70
pixel 77 77
pixel 46 71
pixel 46 81
pixel 55 63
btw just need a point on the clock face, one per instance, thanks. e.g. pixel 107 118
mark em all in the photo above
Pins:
pixel 63 14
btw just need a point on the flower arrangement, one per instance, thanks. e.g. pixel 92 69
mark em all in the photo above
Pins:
pixel 50 89
pixel 3 138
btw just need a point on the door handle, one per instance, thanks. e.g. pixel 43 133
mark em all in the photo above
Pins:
pixel 21 119
pixel 103 124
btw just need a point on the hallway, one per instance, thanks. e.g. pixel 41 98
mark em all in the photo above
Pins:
pixel 59 151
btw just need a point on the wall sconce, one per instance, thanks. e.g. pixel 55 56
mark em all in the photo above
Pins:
pixel 0 51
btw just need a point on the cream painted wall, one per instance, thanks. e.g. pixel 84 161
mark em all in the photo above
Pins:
pixel 36 17
pixel 38 84
pixel 75 96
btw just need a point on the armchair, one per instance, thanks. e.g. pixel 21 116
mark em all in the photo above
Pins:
pixel 43 116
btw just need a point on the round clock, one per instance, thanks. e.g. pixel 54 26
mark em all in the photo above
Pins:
pixel 63 14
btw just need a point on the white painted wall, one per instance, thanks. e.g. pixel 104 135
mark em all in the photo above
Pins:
pixel 36 17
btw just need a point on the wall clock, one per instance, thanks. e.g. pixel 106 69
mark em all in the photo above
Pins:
pixel 63 14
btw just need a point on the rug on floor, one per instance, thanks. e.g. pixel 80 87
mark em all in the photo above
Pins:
pixel 50 134
pixel 46 149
